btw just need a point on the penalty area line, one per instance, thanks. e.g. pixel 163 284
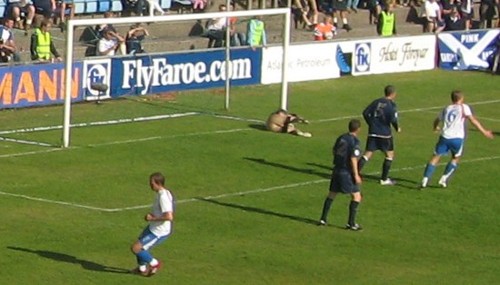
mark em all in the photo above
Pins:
pixel 224 195
pixel 100 123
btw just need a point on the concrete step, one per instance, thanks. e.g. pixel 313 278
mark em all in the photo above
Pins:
pixel 175 36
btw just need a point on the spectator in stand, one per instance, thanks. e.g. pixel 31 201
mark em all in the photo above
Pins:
pixel 62 7
pixel 109 43
pixel 42 47
pixel 386 24
pixel 154 5
pixel 17 8
pixel 453 21
pixel 256 32
pixel 8 50
pixel 236 38
pixel 352 5
pixel 375 7
pixel 306 11
pixel 134 38
pixel 216 28
pixel 467 12
pixel 199 5
pixel 488 12
pixel 434 23
pixel 340 10
pixel 102 28
pixel 133 6
pixel 325 30
pixel 313 11
pixel 447 6
pixel 46 8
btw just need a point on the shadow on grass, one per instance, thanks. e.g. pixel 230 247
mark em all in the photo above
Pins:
pixel 260 211
pixel 400 182
pixel 260 127
pixel 329 168
pixel 62 257
pixel 287 167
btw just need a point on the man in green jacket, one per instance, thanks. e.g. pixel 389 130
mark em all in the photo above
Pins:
pixel 42 47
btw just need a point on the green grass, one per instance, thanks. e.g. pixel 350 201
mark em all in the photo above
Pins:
pixel 436 236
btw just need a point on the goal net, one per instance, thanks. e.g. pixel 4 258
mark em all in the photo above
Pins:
pixel 74 23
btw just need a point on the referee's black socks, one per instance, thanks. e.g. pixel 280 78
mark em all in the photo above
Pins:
pixel 353 209
pixel 326 208
pixel 386 167
pixel 361 162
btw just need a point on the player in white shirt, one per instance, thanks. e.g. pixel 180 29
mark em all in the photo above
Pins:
pixel 453 118
pixel 159 228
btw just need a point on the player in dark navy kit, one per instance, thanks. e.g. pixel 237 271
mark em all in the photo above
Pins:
pixel 345 177
pixel 380 115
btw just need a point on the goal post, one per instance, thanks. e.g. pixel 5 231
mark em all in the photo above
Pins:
pixel 73 23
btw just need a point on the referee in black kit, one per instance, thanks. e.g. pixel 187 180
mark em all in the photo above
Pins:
pixel 345 177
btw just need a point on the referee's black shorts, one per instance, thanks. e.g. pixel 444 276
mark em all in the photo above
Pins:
pixel 342 181
pixel 377 143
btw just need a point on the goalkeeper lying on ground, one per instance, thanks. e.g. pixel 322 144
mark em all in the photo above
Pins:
pixel 282 122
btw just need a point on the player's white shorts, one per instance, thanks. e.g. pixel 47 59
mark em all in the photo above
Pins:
pixel 455 146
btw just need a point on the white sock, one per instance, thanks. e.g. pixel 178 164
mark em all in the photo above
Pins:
pixel 424 181
pixel 143 268
pixel 154 262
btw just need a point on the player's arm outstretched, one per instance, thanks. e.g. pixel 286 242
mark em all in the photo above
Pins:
pixel 477 124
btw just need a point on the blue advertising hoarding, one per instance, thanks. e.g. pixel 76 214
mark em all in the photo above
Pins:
pixel 149 74
pixel 37 85
pixel 467 50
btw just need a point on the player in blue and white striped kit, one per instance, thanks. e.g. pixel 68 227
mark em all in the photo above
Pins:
pixel 452 136
pixel 380 115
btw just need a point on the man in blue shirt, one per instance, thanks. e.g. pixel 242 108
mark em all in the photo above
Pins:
pixel 345 176
pixel 380 115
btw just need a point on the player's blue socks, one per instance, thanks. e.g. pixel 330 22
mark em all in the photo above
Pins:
pixel 429 170
pixel 144 257
pixel 450 168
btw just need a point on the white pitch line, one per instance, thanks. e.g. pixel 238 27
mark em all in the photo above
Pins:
pixel 29 153
pixel 171 137
pixel 405 111
pixel 126 141
pixel 100 123
pixel 224 195
pixel 186 135
pixel 488 119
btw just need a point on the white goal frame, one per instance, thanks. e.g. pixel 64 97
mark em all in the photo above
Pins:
pixel 73 23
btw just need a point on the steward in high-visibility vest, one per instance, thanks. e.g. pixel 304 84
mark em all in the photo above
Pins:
pixel 42 47
pixel 256 32
pixel 386 25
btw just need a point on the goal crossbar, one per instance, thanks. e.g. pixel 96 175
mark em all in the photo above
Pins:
pixel 73 23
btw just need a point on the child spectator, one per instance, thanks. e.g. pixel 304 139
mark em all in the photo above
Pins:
pixel 325 30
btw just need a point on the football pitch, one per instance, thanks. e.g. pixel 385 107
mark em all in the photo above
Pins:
pixel 248 200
